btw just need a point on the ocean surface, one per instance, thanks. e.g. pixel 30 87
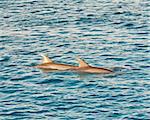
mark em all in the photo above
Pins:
pixel 113 34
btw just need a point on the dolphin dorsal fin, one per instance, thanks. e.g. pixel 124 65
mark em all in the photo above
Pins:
pixel 46 59
pixel 82 63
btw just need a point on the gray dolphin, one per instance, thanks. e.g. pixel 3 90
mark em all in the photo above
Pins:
pixel 86 68
pixel 48 64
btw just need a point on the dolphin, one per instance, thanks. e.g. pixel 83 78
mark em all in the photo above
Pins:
pixel 86 68
pixel 48 64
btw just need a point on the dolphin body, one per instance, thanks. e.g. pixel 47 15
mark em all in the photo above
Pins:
pixel 48 64
pixel 86 68
pixel 83 67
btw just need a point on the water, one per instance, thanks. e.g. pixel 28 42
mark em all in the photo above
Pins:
pixel 111 34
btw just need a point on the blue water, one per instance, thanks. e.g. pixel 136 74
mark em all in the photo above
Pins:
pixel 112 34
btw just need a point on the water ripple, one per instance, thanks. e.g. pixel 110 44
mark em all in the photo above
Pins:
pixel 112 34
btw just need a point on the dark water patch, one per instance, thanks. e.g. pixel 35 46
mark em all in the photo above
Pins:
pixel 36 11
pixel 16 78
pixel 118 13
pixel 138 116
pixel 42 98
pixel 117 23
pixel 140 27
pixel 104 106
pixel 128 25
pixel 62 108
pixel 13 114
pixel 64 73
pixel 11 90
pixel 63 32
pixel 107 55
pixel 50 81
pixel 88 85
pixel 140 45
pixel 72 83
pixel 79 10
pixel 5 59
pixel 89 20
pixel 21 5
pixel 145 66
pixel 90 15
pixel 115 115
pixel 118 89
pixel 69 52
pixel 116 59
pixel 30 2
pixel 92 35
pixel 6 17
pixel 143 33
pixel 63 45
pixel 101 87
pixel 117 69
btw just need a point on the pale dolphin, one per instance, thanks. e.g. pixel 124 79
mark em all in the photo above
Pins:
pixel 48 64
pixel 86 68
